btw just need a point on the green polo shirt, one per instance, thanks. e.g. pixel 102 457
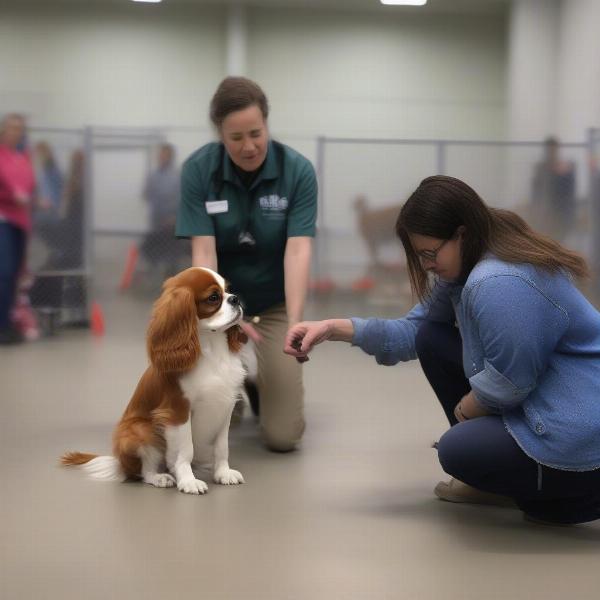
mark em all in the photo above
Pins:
pixel 251 225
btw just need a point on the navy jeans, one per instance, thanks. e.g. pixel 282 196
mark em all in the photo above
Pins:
pixel 483 454
pixel 12 247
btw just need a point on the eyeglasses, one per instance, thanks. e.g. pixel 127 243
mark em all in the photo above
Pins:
pixel 431 255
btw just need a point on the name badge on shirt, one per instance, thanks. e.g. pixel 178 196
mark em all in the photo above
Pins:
pixel 217 206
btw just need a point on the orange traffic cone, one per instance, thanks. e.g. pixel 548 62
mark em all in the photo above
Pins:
pixel 363 284
pixel 322 286
pixel 132 256
pixel 97 319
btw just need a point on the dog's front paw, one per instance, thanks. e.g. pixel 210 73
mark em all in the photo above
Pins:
pixel 228 477
pixel 192 486
pixel 162 480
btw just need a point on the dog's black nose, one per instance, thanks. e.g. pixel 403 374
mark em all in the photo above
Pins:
pixel 233 300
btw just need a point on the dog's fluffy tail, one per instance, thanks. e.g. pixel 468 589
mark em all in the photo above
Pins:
pixel 69 459
pixel 106 468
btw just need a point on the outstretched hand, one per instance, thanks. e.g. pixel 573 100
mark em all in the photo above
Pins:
pixel 303 337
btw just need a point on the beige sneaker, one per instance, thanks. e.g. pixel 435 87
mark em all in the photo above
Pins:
pixel 457 491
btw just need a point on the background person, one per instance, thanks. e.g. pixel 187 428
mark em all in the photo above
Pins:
pixel 49 185
pixel 17 185
pixel 553 192
pixel 162 192
pixel 48 201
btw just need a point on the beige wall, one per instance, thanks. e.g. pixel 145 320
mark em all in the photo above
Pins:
pixel 71 65
pixel 326 72
pixel 349 74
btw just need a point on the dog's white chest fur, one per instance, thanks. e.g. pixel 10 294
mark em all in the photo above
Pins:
pixel 212 387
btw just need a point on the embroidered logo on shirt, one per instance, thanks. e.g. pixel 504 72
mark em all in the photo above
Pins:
pixel 273 203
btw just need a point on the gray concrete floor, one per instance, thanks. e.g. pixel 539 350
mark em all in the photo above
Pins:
pixel 351 515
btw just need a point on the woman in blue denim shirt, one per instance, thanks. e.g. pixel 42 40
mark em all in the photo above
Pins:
pixel 509 345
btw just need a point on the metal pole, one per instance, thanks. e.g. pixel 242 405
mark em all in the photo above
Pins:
pixel 237 40
pixel 441 158
pixel 320 242
pixel 320 182
pixel 88 218
pixel 594 205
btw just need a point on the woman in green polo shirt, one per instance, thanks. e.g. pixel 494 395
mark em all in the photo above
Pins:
pixel 250 205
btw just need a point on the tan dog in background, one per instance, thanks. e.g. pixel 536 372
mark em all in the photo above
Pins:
pixel 376 226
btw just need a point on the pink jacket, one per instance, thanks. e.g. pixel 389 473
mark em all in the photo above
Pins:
pixel 17 184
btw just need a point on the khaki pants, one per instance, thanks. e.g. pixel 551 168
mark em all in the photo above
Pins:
pixel 280 387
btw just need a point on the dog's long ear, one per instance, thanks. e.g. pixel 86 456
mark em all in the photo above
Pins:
pixel 172 341
pixel 236 338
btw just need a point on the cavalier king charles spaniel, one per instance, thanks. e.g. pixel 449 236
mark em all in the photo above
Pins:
pixel 180 412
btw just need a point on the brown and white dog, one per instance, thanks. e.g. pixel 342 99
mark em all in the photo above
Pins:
pixel 181 409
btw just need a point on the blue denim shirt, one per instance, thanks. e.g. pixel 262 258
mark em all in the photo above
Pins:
pixel 531 352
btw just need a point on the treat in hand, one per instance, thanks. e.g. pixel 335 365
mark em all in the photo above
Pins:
pixel 297 345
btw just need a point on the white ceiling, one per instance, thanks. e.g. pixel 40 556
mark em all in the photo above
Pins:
pixel 489 7
pixel 472 6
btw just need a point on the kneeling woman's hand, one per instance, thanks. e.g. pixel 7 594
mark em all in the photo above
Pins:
pixel 303 337
pixel 469 408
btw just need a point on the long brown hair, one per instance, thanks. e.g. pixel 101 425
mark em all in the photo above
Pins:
pixel 441 204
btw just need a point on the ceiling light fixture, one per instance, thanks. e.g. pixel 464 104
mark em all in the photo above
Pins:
pixel 404 2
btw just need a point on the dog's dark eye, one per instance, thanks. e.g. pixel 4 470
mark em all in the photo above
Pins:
pixel 213 298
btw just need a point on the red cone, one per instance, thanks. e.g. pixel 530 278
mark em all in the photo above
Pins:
pixel 132 256
pixel 97 319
